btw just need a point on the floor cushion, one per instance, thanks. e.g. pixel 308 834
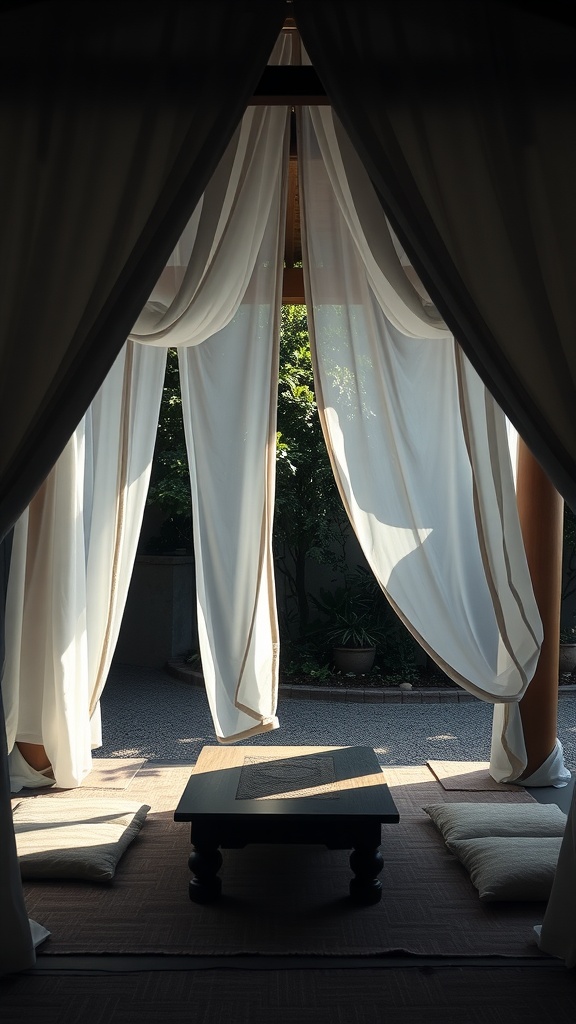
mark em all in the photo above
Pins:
pixel 74 838
pixel 509 868
pixel 479 820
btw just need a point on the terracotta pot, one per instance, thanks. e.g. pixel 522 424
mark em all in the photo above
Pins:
pixel 358 660
pixel 567 658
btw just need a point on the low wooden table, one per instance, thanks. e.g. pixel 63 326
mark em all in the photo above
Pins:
pixel 333 796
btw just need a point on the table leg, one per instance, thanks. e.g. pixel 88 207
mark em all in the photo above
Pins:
pixel 204 863
pixel 366 863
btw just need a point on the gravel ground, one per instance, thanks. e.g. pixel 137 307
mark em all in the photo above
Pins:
pixel 147 713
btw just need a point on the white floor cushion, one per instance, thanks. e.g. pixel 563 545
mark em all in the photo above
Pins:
pixel 478 820
pixel 507 868
pixel 74 838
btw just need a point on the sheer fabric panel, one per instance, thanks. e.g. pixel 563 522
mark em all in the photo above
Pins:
pixel 420 452
pixel 229 394
pixel 218 302
pixel 208 274
pixel 229 400
pixel 125 417
pixel 72 558
pixel 464 116
pixel 85 549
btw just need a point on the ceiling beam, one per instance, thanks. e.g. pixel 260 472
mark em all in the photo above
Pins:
pixel 289 86
pixel 293 287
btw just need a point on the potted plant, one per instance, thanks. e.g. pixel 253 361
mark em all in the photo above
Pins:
pixel 349 629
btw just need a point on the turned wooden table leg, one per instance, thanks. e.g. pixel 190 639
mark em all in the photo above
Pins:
pixel 366 863
pixel 204 863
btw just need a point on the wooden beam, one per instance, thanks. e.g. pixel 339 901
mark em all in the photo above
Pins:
pixel 541 510
pixel 289 86
pixel 292 246
pixel 293 287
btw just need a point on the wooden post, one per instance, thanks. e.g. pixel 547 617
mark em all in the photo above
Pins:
pixel 35 754
pixel 541 511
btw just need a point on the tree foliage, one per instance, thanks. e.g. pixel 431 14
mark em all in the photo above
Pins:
pixel 170 480
pixel 310 521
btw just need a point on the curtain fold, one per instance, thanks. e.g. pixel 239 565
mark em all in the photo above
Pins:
pixel 113 509
pixel 72 559
pixel 102 165
pixel 229 394
pixel 464 117
pixel 113 118
pixel 218 302
pixel 419 447
pixel 75 546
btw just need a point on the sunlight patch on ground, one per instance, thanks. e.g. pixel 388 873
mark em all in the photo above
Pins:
pixel 381 750
pixel 125 752
pixel 447 736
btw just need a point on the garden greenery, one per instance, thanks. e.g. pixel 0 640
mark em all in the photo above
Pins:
pixel 310 523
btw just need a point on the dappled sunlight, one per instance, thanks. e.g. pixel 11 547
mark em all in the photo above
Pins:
pixel 148 714
pixel 122 752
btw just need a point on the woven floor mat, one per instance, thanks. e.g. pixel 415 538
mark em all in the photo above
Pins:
pixel 513 995
pixel 468 776
pixel 283 899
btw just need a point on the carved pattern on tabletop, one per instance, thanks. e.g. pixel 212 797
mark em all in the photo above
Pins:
pixel 285 778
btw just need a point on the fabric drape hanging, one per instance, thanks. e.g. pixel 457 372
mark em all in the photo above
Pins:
pixel 229 396
pixel 113 120
pixel 72 558
pixel 464 116
pixel 418 446
pixel 78 539
pixel 218 302
pixel 102 164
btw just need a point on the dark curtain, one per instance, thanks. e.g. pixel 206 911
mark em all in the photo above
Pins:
pixel 112 119
pixel 464 115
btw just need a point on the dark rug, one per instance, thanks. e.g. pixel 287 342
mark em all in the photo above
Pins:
pixel 284 899
pixel 520 995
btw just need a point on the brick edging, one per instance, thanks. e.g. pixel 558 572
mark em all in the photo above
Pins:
pixel 369 695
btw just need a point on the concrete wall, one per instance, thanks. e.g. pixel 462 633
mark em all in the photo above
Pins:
pixel 160 618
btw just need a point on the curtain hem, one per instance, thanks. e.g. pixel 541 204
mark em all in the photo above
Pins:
pixel 267 725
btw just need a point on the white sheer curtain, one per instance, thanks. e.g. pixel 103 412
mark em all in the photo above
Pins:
pixel 229 394
pixel 218 302
pixel 72 558
pixel 74 547
pixel 418 446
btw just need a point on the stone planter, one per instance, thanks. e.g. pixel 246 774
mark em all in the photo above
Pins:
pixel 358 660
